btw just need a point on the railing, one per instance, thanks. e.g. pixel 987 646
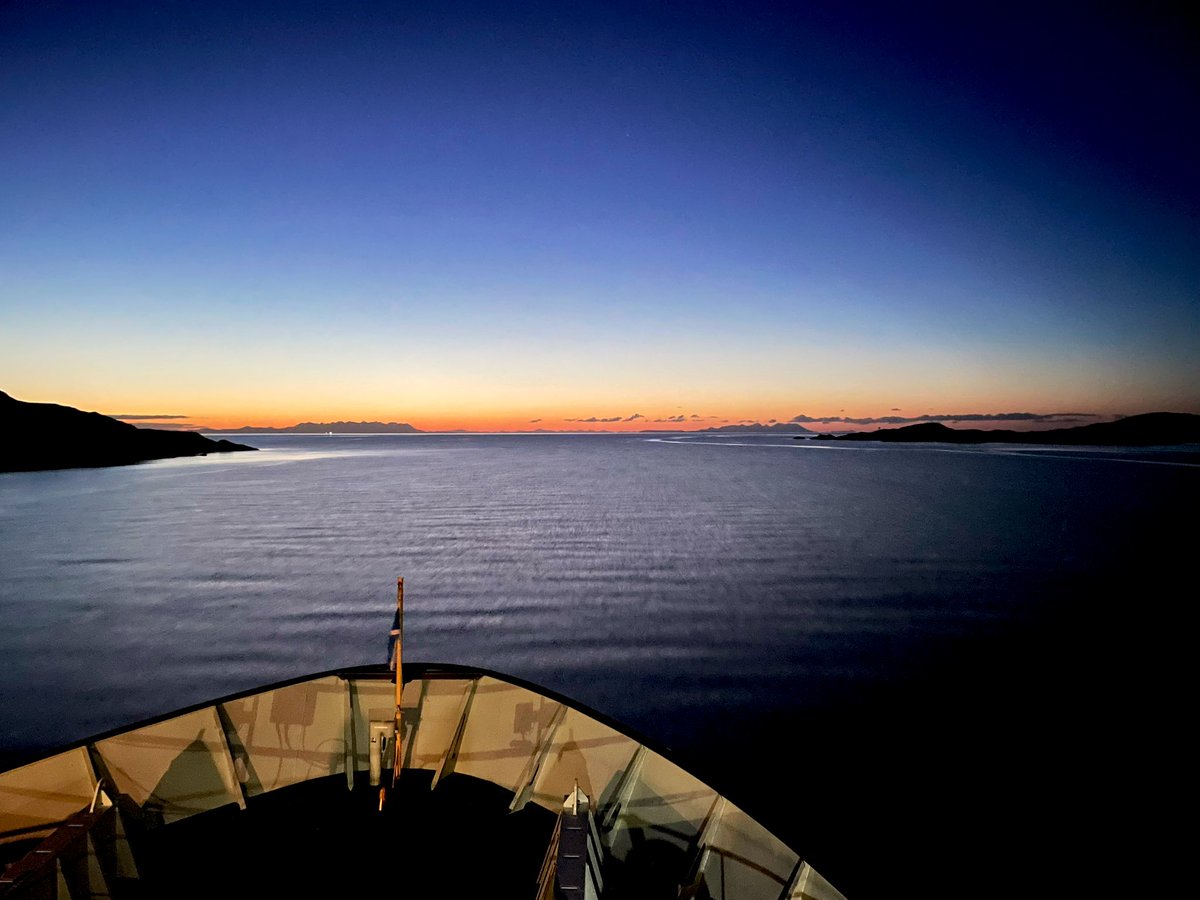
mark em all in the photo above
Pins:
pixel 87 856
pixel 534 744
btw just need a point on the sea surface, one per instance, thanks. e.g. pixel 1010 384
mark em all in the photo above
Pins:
pixel 936 671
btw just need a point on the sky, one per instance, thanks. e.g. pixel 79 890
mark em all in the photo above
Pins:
pixel 515 216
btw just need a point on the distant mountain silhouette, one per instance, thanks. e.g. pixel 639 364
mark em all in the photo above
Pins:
pixel 1146 430
pixel 49 436
pixel 758 427
pixel 335 427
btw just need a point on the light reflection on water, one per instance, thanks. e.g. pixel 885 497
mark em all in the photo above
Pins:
pixel 566 559
pixel 575 560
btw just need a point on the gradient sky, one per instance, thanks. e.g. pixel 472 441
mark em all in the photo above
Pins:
pixel 478 215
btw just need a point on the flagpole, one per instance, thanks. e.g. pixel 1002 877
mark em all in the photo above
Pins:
pixel 399 738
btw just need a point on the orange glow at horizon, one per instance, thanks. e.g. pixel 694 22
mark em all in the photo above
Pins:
pixel 217 408
pixel 525 423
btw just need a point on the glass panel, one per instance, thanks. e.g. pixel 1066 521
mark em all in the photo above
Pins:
pixel 289 735
pixel 506 727
pixel 745 860
pixel 811 886
pixel 179 767
pixel 35 796
pixel 660 804
pixel 432 709
pixel 374 700
pixel 584 752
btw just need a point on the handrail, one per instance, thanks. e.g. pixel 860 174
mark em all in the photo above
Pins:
pixel 45 856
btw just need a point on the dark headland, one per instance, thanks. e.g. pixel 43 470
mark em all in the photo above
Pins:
pixel 1147 430
pixel 48 436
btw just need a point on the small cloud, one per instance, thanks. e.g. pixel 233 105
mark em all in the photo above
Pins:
pixel 694 416
pixel 634 416
pixel 534 421
pixel 895 409
pixel 772 421
pixel 172 426
pixel 679 418
pixel 134 417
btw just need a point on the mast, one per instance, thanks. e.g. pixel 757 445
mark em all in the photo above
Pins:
pixel 398 630
pixel 383 732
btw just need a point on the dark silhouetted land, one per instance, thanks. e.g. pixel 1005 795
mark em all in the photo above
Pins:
pixel 758 428
pixel 49 436
pixel 1146 430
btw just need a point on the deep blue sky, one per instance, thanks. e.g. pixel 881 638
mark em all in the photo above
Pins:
pixel 509 210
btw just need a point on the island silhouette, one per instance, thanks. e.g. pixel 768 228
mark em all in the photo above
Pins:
pixel 1145 430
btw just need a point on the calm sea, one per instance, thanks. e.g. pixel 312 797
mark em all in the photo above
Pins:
pixel 925 667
